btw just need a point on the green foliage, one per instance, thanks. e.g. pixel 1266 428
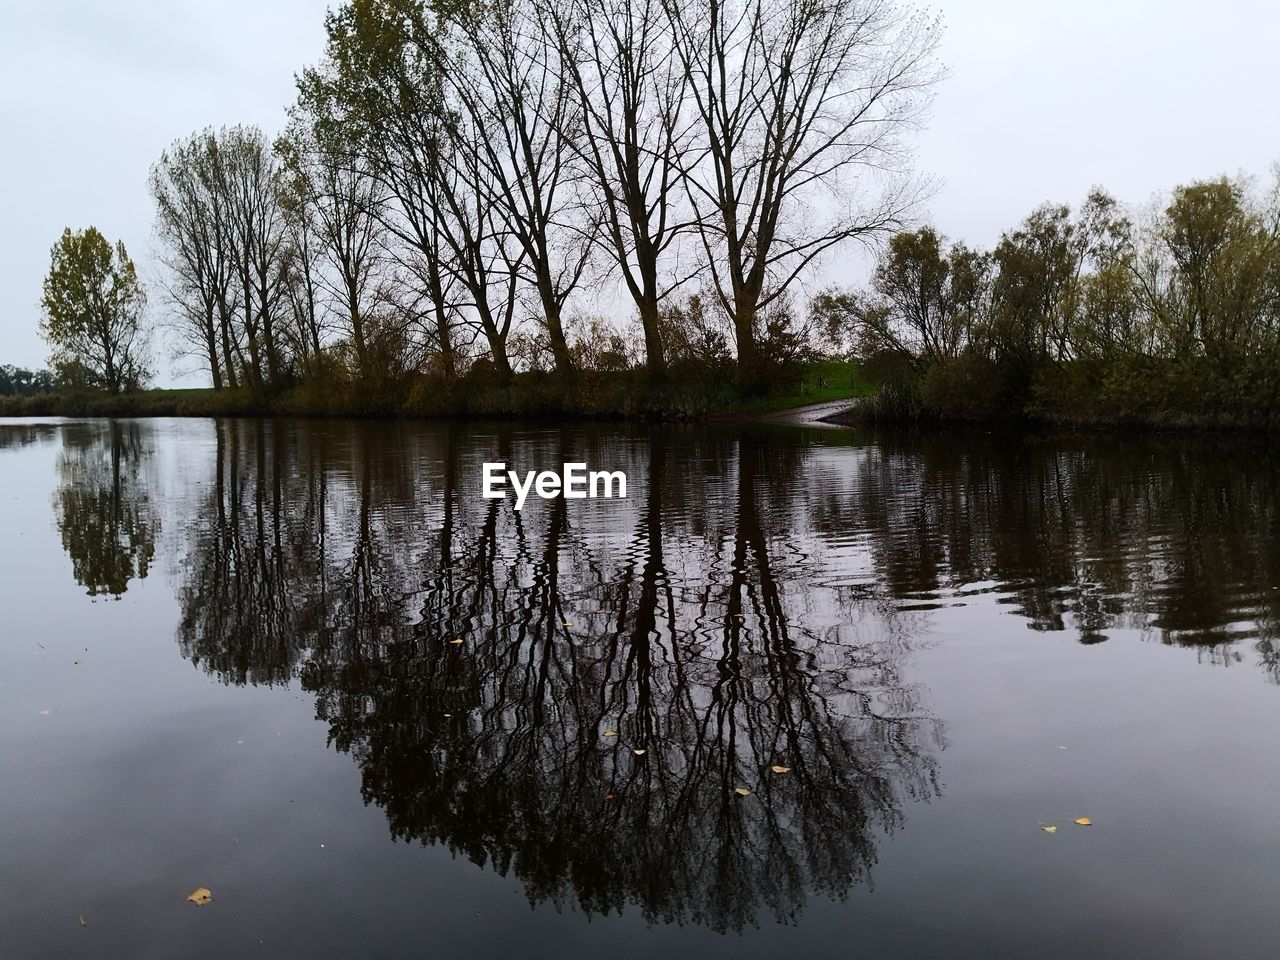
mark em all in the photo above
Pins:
pixel 1083 317
pixel 93 304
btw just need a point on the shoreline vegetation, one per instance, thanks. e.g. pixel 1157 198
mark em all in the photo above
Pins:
pixel 617 395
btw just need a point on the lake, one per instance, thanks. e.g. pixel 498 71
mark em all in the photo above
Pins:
pixel 801 693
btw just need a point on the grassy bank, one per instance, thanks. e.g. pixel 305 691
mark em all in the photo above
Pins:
pixel 1131 391
pixel 618 395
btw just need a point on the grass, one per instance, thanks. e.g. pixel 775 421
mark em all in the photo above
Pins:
pixel 822 382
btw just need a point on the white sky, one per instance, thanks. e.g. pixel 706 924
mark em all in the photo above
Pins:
pixel 1043 100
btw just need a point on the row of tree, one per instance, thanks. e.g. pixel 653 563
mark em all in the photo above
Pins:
pixel 459 180
pixel 1100 301
pixel 21 382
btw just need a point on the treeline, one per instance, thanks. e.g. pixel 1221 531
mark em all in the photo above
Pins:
pixel 1102 314
pixel 21 382
pixel 468 190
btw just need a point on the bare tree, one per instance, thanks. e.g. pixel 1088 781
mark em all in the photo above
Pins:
pixel 251 184
pixel 484 256
pixel 340 201
pixel 188 224
pixel 509 81
pixel 302 269
pixel 377 97
pixel 798 102
pixel 633 128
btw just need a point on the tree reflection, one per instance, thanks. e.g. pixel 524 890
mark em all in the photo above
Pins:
pixel 494 672
pixel 18 435
pixel 574 693
pixel 103 504
pixel 1174 538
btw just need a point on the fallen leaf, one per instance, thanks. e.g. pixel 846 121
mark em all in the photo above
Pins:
pixel 610 733
pixel 639 751
pixel 1049 828
pixel 1084 821
pixel 456 640
pixel 568 624
pixel 742 791
pixel 200 896
pixel 779 768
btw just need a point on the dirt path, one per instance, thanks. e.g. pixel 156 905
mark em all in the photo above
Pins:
pixel 813 415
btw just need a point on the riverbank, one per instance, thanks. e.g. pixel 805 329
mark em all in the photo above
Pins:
pixel 625 395
pixel 1131 392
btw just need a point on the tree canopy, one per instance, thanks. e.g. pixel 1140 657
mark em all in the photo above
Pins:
pixel 93 307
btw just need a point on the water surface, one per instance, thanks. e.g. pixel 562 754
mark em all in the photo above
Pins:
pixel 306 665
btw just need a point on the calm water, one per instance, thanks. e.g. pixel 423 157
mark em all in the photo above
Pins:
pixel 229 658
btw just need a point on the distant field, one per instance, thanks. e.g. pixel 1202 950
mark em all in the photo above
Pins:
pixel 179 393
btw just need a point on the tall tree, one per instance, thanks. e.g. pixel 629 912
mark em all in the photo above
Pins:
pixel 377 97
pixel 192 230
pixel 1222 299
pixel 334 205
pixel 801 105
pixel 506 74
pixel 632 130
pixel 251 182
pixel 93 308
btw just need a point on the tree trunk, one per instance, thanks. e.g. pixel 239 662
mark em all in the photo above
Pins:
pixel 228 357
pixel 211 345
pixel 559 345
pixel 751 373
pixel 501 362
pixel 448 360
pixel 654 357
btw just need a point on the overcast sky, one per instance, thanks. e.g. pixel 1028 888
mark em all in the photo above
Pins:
pixel 1043 99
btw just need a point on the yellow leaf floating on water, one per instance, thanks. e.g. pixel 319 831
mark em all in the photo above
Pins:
pixel 1084 821
pixel 1048 828
pixel 610 733
pixel 200 896
pixel 639 751
pixel 742 791
pixel 779 768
